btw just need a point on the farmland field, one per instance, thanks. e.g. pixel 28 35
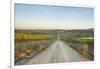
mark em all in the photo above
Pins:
pixel 29 43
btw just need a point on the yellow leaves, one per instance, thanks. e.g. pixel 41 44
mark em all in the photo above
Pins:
pixel 24 36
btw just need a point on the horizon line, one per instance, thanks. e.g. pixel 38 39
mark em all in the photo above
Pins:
pixel 51 29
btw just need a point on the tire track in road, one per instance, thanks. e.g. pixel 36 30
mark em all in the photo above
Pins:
pixel 58 55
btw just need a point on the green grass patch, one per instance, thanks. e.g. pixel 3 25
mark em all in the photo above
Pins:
pixel 80 40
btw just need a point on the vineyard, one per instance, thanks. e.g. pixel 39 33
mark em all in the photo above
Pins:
pixel 27 45
pixel 24 36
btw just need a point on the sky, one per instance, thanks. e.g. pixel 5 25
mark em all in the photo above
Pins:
pixel 31 16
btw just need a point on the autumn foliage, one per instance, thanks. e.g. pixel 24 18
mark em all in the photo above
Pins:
pixel 24 36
